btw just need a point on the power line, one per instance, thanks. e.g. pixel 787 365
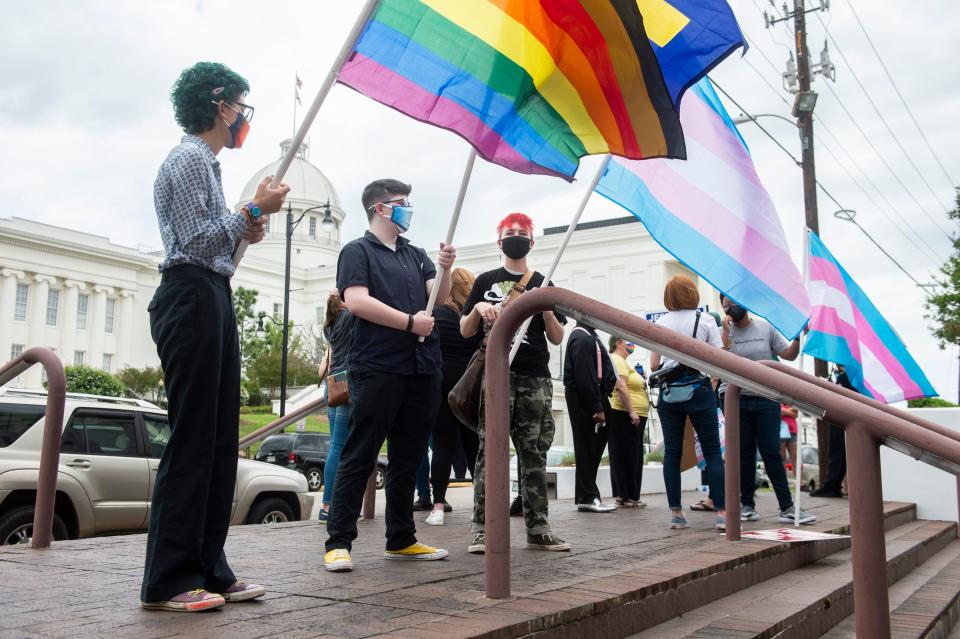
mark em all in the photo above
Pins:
pixel 819 184
pixel 900 95
pixel 884 161
pixel 876 110
pixel 929 253
pixel 850 218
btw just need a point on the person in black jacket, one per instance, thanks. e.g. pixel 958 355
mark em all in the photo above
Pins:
pixel 836 449
pixel 588 378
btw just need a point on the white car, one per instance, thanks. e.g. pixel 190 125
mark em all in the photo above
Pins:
pixel 109 454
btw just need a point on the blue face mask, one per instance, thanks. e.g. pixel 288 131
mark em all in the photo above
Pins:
pixel 401 217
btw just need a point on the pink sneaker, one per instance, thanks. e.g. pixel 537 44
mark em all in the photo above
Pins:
pixel 243 591
pixel 192 601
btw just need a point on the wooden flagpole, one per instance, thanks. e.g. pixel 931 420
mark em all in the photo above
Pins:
pixel 328 82
pixel 464 182
pixel 518 338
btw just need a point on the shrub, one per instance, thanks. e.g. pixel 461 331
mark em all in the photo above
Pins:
pixel 930 402
pixel 654 456
pixel 568 460
pixel 264 409
pixel 93 381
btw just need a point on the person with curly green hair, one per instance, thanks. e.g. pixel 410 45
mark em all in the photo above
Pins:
pixel 193 324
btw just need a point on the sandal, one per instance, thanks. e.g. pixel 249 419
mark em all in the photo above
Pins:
pixel 702 506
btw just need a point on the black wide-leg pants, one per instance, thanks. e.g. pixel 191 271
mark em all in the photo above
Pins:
pixel 193 325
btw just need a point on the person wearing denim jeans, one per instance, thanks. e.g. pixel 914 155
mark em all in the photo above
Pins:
pixel 682 299
pixel 754 338
pixel 338 329
pixel 702 411
pixel 339 417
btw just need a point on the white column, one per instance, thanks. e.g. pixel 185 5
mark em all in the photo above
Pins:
pixel 96 326
pixel 38 324
pixel 68 320
pixel 8 299
pixel 124 330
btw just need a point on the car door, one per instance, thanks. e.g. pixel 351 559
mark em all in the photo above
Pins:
pixel 156 435
pixel 102 450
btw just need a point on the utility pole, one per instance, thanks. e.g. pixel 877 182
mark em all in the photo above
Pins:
pixel 804 102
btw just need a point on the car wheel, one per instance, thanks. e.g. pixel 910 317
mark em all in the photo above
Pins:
pixel 381 477
pixel 314 475
pixel 16 526
pixel 271 510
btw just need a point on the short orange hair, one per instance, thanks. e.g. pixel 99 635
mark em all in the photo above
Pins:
pixel 516 218
pixel 681 294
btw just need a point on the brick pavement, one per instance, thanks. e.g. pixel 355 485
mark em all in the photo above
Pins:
pixel 90 587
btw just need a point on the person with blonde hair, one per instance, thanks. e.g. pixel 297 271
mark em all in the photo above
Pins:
pixel 448 431
pixel 687 393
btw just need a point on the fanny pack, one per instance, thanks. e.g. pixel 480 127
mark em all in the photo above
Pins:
pixel 679 382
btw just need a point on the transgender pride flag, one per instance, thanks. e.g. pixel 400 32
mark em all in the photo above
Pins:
pixel 712 213
pixel 846 328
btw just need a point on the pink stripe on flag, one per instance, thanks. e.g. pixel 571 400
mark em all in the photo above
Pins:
pixel 704 125
pixel 703 214
pixel 825 270
pixel 384 85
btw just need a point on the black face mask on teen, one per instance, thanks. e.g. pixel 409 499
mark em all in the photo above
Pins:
pixel 736 313
pixel 515 246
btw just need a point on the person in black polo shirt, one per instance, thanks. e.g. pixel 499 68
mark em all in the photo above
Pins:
pixel 394 377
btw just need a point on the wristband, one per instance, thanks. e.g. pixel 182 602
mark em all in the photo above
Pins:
pixel 409 323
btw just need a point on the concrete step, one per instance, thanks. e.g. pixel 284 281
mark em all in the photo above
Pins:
pixel 808 600
pixel 672 582
pixel 925 603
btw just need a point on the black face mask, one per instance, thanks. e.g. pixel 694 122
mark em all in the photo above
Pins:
pixel 737 313
pixel 515 246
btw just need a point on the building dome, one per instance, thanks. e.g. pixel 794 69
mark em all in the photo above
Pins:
pixel 308 185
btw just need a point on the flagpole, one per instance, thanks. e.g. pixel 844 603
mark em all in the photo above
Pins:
pixel 454 219
pixel 798 462
pixel 311 114
pixel 563 245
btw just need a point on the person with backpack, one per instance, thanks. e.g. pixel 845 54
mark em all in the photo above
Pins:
pixel 588 378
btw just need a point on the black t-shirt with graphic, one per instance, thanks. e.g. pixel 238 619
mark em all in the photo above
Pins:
pixel 494 287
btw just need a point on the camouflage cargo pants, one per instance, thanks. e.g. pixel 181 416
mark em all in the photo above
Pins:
pixel 532 430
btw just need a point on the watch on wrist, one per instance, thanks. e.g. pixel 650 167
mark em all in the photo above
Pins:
pixel 409 323
pixel 253 209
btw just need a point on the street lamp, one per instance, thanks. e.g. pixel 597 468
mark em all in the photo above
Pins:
pixel 291 225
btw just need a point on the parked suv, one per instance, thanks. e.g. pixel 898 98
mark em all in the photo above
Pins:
pixel 306 453
pixel 109 454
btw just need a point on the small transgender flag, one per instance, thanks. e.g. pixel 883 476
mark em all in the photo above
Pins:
pixel 846 328
pixel 713 214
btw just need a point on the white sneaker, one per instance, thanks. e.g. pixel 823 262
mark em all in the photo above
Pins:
pixel 435 518
pixel 595 506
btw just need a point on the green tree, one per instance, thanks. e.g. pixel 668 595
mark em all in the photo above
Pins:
pixel 943 305
pixel 83 379
pixel 930 402
pixel 146 382
pixel 265 367
pixel 251 344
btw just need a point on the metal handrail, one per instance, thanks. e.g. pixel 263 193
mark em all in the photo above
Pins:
pixel 369 495
pixel 52 431
pixel 867 428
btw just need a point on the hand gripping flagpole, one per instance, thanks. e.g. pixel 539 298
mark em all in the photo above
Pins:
pixel 518 338
pixel 311 114
pixel 464 182
pixel 798 462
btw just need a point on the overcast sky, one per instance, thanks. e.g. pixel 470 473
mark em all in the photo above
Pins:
pixel 85 121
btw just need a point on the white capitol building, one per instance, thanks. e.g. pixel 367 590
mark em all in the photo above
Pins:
pixel 86 297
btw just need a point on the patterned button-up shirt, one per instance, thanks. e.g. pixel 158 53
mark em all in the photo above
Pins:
pixel 195 223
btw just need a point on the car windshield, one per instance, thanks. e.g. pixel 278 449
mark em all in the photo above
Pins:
pixel 15 419
pixel 276 443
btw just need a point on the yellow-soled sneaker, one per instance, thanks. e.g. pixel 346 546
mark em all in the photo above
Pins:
pixel 338 560
pixel 417 552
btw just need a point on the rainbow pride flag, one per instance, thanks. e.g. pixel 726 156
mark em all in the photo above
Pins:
pixel 713 214
pixel 534 85
pixel 846 328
